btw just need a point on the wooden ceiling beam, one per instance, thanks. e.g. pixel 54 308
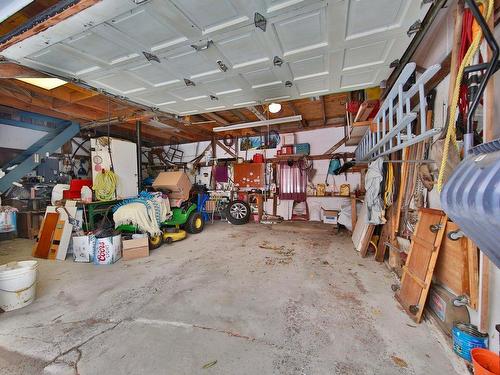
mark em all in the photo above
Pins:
pixel 73 110
pixel 239 114
pixel 174 132
pixel 335 122
pixel 214 116
pixel 12 70
pixel 257 113
pixel 293 108
pixel 154 135
pixel 21 33
pixel 191 129
pixel 323 108
pixel 23 106
pixel 127 134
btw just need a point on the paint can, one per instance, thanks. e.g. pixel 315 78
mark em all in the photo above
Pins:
pixel 467 337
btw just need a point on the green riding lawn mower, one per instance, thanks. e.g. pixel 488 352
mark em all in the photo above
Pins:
pixel 184 219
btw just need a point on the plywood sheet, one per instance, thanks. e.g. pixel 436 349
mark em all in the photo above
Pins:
pixel 42 246
pixel 457 265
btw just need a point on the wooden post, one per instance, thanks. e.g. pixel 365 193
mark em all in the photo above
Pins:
pixel 214 158
pixel 260 205
pixel 354 212
pixel 457 41
pixel 489 135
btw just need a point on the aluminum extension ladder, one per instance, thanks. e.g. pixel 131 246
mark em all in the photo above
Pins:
pixel 395 117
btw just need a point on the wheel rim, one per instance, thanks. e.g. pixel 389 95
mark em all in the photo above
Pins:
pixel 155 240
pixel 197 223
pixel 238 211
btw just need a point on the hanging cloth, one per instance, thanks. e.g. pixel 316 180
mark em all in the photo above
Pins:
pixel 293 181
pixel 373 180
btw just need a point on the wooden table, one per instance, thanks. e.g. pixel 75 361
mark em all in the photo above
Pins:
pixel 28 223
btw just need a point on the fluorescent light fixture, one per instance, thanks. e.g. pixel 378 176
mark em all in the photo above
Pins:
pixel 274 107
pixel 10 7
pixel 256 124
pixel 47 83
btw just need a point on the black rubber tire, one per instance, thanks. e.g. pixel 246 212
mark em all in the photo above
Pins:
pixel 154 243
pixel 194 223
pixel 238 212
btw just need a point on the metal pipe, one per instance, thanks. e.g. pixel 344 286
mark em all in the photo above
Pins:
pixel 139 155
pixel 478 67
pixel 490 40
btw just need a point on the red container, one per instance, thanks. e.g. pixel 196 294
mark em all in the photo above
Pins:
pixel 287 150
pixel 75 187
pixel 258 158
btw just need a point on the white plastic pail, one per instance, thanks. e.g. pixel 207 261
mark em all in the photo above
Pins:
pixel 17 284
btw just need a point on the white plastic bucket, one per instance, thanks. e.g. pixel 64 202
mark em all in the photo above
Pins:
pixel 17 284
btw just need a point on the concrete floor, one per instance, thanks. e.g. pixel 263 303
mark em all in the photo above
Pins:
pixel 254 299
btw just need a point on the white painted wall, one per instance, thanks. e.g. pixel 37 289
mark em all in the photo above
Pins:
pixel 20 138
pixel 320 140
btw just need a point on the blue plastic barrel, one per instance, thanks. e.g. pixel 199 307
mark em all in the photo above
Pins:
pixel 465 338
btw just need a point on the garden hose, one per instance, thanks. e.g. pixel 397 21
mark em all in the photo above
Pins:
pixel 451 132
pixel 389 185
pixel 105 185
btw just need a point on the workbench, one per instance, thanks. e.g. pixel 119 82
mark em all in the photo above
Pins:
pixel 94 211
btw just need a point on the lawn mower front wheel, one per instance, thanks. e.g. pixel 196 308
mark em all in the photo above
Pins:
pixel 155 241
pixel 194 223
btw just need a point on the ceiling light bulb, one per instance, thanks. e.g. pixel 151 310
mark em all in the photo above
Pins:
pixel 274 107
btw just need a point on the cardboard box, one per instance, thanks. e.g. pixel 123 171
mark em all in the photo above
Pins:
pixel 330 216
pixel 287 139
pixel 82 248
pixel 177 184
pixel 107 250
pixel 135 248
pixel 287 150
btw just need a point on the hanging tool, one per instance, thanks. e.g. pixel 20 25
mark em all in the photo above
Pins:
pixel 479 27
pixel 333 167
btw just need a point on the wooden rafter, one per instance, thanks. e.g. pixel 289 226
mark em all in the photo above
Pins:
pixel 334 148
pixel 11 70
pixel 213 116
pixel 303 122
pixel 239 114
pixel 227 149
pixel 257 113
pixel 48 22
pixel 323 108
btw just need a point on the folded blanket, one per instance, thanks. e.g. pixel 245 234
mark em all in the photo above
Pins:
pixel 146 214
